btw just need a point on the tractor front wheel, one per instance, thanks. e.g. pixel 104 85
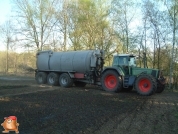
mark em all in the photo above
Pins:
pixel 111 81
pixel 160 86
pixel 145 84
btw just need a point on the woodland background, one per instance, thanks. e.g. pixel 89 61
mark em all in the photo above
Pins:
pixel 116 26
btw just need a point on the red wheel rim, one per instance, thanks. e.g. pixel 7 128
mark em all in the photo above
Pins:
pixel 110 82
pixel 144 85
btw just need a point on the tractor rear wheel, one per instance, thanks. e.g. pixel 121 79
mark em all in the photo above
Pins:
pixel 145 84
pixel 111 81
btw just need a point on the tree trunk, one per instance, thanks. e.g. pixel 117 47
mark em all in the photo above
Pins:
pixel 7 55
pixel 172 53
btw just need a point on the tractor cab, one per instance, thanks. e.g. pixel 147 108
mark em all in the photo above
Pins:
pixel 125 62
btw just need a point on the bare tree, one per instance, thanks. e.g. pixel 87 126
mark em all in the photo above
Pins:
pixel 62 25
pixel 156 29
pixel 7 34
pixel 36 20
pixel 172 8
pixel 123 15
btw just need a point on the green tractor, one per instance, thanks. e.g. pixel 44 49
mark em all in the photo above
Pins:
pixel 124 75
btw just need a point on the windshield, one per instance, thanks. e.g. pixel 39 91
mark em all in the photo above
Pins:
pixel 122 60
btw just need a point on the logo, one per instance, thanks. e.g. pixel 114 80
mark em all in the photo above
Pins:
pixel 10 124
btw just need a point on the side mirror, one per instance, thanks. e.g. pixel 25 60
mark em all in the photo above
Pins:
pixel 136 57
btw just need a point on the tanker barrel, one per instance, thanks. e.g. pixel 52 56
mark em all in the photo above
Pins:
pixel 70 61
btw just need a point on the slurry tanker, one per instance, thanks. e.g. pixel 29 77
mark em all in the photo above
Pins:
pixel 87 67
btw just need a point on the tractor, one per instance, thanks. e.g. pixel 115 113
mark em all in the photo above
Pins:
pixel 124 75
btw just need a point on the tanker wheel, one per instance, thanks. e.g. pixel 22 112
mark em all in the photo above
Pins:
pixel 41 77
pixel 79 84
pixel 53 78
pixel 160 87
pixel 145 84
pixel 111 81
pixel 65 80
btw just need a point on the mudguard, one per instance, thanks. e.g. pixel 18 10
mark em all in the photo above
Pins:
pixel 117 69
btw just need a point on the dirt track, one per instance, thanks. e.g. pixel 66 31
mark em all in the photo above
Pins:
pixel 43 109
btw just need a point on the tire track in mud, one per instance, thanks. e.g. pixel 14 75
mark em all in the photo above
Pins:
pixel 121 123
pixel 168 113
pixel 154 114
pixel 154 117
pixel 132 123
pixel 139 117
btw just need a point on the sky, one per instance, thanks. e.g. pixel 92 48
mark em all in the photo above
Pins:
pixel 5 8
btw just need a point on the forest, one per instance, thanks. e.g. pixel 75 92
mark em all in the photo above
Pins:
pixel 116 26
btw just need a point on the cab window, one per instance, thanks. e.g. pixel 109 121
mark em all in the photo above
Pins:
pixel 115 61
pixel 120 60
pixel 123 60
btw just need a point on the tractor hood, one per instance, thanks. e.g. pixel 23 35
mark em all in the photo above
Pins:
pixel 137 70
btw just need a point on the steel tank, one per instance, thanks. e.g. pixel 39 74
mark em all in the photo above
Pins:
pixel 70 61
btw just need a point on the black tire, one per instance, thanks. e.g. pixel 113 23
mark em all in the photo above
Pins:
pixel 79 84
pixel 41 77
pixel 111 81
pixel 145 84
pixel 53 79
pixel 160 87
pixel 65 80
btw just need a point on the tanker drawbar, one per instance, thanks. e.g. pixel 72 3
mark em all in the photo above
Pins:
pixel 78 67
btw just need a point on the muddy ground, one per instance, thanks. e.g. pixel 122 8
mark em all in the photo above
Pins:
pixel 43 109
